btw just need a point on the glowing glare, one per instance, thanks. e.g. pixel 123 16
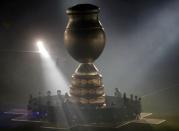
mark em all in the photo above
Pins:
pixel 42 49
pixel 53 76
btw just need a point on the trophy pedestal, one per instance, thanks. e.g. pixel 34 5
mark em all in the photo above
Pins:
pixel 87 86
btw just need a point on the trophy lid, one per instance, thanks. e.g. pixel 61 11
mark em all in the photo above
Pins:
pixel 83 9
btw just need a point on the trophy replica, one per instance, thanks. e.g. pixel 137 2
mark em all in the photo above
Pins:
pixel 84 39
pixel 86 108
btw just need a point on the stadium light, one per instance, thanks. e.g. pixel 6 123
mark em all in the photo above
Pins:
pixel 42 49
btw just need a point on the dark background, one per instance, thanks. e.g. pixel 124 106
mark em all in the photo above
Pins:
pixel 140 57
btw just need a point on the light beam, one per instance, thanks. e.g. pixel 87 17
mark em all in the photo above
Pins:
pixel 53 76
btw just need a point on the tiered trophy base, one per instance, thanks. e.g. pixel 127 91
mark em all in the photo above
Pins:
pixel 86 86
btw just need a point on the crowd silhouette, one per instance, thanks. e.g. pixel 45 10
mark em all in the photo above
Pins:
pixel 56 108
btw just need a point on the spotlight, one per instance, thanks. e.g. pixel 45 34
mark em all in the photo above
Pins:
pixel 53 76
pixel 42 49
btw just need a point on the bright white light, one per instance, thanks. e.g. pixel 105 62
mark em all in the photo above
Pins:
pixel 53 76
pixel 42 49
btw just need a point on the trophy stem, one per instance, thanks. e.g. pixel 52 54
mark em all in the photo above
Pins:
pixel 87 86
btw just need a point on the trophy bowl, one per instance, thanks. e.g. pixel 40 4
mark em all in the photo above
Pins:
pixel 84 36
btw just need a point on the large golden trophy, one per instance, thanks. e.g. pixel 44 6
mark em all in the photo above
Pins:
pixel 84 39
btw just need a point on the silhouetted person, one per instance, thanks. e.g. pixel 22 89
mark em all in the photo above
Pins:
pixel 48 93
pixel 59 93
pixel 125 99
pixel 132 106
pixel 50 108
pixel 30 103
pixel 40 108
pixel 136 98
pixel 39 98
pixel 35 110
pixel 117 93
pixel 60 98
pixel 112 104
pixel 139 108
pixel 66 98
pixel 48 98
pixel 140 99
